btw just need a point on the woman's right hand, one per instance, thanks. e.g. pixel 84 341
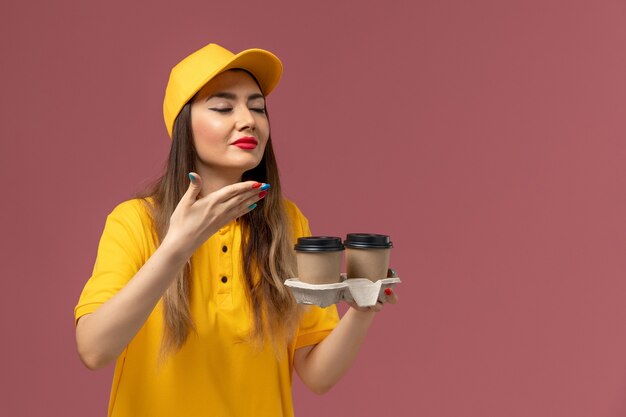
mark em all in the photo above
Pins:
pixel 196 219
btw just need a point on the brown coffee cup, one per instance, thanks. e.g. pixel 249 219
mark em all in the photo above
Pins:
pixel 367 255
pixel 319 259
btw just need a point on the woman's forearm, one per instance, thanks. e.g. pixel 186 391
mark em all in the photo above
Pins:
pixel 102 335
pixel 329 360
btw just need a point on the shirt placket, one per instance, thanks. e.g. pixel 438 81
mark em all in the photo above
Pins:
pixel 224 278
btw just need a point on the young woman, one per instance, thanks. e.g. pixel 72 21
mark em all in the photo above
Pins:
pixel 187 291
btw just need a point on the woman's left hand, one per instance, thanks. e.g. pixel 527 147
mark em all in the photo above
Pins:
pixel 391 297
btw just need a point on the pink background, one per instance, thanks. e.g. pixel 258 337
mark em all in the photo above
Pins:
pixel 486 137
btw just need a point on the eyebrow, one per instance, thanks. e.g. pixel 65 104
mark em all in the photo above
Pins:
pixel 231 96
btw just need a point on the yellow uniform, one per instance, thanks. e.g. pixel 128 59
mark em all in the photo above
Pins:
pixel 216 373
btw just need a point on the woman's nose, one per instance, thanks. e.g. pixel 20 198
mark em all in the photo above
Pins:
pixel 245 119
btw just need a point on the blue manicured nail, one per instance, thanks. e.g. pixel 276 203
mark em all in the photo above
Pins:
pixel 191 178
pixel 252 207
pixel 264 187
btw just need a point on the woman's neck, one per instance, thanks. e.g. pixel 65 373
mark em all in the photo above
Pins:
pixel 213 180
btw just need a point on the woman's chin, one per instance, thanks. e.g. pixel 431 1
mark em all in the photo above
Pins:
pixel 246 162
pixel 243 166
pixel 241 163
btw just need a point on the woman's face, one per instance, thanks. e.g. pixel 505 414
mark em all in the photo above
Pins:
pixel 229 124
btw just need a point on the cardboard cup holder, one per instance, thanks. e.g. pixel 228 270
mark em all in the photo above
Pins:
pixel 362 291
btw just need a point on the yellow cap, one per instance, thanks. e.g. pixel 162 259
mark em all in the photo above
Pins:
pixel 193 72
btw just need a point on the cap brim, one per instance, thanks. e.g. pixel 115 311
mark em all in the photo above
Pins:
pixel 264 65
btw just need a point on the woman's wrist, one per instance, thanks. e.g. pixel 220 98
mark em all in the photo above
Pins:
pixel 175 250
pixel 363 315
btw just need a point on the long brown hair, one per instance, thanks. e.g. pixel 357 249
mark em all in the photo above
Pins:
pixel 266 246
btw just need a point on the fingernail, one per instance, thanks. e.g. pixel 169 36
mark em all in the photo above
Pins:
pixel 265 187
pixel 262 194
pixel 252 207
pixel 191 178
pixel 388 291
pixel 256 185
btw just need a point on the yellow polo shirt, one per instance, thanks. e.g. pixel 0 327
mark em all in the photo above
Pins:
pixel 216 373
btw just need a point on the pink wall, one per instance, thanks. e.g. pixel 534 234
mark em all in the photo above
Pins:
pixel 487 137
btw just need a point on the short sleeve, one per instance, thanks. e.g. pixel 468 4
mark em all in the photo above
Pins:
pixel 316 322
pixel 124 247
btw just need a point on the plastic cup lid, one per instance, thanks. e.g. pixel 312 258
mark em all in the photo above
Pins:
pixel 367 241
pixel 319 244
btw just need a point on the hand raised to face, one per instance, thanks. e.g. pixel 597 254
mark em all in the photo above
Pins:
pixel 196 219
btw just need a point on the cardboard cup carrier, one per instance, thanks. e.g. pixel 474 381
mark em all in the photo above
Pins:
pixel 320 281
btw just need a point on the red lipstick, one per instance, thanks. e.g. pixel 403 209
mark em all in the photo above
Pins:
pixel 247 142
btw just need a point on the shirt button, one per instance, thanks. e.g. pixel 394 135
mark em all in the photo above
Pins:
pixel 224 280
pixel 224 248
